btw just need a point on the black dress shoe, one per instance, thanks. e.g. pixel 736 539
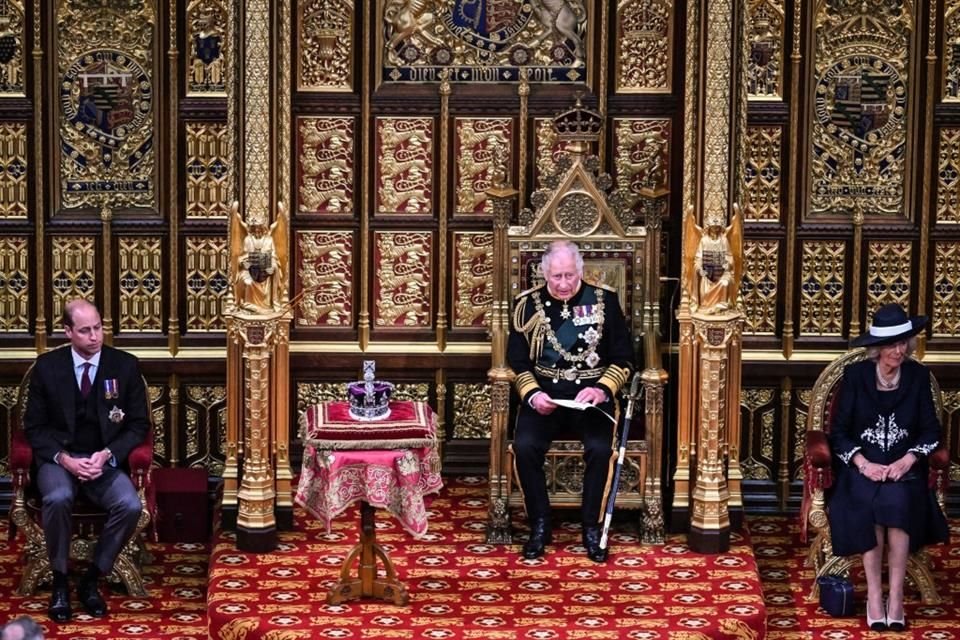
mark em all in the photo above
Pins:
pixel 540 537
pixel 91 600
pixel 591 540
pixel 59 609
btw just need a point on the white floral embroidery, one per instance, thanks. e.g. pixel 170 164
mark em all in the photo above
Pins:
pixel 924 449
pixel 848 455
pixel 886 433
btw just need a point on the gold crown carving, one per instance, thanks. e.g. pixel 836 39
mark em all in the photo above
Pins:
pixel 579 123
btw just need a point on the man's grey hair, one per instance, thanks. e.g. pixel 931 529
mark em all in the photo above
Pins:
pixel 561 246
pixel 31 630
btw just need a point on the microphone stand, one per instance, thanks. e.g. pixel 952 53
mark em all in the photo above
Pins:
pixel 624 434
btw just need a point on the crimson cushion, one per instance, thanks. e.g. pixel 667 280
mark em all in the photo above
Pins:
pixel 409 425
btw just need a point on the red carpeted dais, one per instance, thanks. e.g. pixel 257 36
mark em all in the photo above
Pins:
pixel 175 576
pixel 461 587
pixel 787 582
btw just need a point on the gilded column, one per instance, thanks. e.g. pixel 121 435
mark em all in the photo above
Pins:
pixel 106 233
pixel 445 91
pixel 173 186
pixel 710 518
pixel 928 161
pixel 39 221
pixel 499 375
pixel 258 312
pixel 712 266
pixel 793 202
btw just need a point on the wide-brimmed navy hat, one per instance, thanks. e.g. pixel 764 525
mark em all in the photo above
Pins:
pixel 890 324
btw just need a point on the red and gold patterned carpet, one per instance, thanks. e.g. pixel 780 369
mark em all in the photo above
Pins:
pixel 461 587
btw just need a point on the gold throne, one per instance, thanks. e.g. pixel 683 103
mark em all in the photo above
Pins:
pixel 575 205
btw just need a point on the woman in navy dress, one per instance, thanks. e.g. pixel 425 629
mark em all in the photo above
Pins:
pixel 884 427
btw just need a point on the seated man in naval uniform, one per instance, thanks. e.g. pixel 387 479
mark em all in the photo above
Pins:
pixel 569 341
pixel 86 411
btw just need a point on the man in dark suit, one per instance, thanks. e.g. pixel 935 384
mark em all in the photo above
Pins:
pixel 568 341
pixel 86 411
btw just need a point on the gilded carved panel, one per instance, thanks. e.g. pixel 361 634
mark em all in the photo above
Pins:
pixel 759 288
pixel 948 176
pixel 74 269
pixel 208 47
pixel 13 167
pixel 547 150
pixel 325 271
pixel 105 83
pixel 642 154
pixel 801 407
pixel 475 140
pixel 951 51
pixel 325 165
pixel 12 40
pixel 765 21
pixel 14 283
pixel 8 400
pixel 473 281
pixel 471 411
pixel 861 89
pixel 158 408
pixel 644 46
pixel 404 175
pixel 945 320
pixel 403 279
pixel 325 45
pixel 489 41
pixel 759 427
pixel 208 170
pixel 141 284
pixel 762 174
pixel 822 287
pixel 207 282
pixel 888 274
pixel 414 391
pixel 206 426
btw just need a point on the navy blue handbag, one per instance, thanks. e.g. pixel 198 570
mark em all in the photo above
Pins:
pixel 836 596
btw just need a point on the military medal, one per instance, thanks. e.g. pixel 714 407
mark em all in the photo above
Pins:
pixel 565 312
pixel 111 390
pixel 593 359
pixel 116 414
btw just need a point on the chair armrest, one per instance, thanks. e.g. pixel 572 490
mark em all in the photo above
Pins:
pixel 938 478
pixel 21 454
pixel 141 457
pixel 817 449
pixel 940 458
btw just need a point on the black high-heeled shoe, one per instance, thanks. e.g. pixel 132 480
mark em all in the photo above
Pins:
pixel 876 624
pixel 897 625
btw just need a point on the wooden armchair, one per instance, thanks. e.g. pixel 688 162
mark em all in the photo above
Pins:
pixel 574 205
pixel 88 519
pixel 818 478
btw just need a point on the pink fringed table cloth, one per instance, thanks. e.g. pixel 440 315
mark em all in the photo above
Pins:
pixel 393 478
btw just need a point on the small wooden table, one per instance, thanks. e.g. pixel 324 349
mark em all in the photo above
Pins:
pixel 397 479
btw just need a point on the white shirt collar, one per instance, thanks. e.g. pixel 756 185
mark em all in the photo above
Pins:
pixel 78 360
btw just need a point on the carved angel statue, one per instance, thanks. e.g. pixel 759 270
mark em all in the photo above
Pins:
pixel 713 261
pixel 258 257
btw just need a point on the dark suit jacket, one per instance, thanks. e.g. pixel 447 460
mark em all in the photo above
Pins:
pixel 49 420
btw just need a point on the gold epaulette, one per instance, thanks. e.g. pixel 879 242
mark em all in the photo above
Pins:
pixel 605 287
pixel 530 290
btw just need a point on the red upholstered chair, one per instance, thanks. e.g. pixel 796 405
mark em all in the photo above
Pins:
pixel 88 519
pixel 818 478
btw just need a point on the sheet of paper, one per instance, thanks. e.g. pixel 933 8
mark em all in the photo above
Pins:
pixel 573 404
